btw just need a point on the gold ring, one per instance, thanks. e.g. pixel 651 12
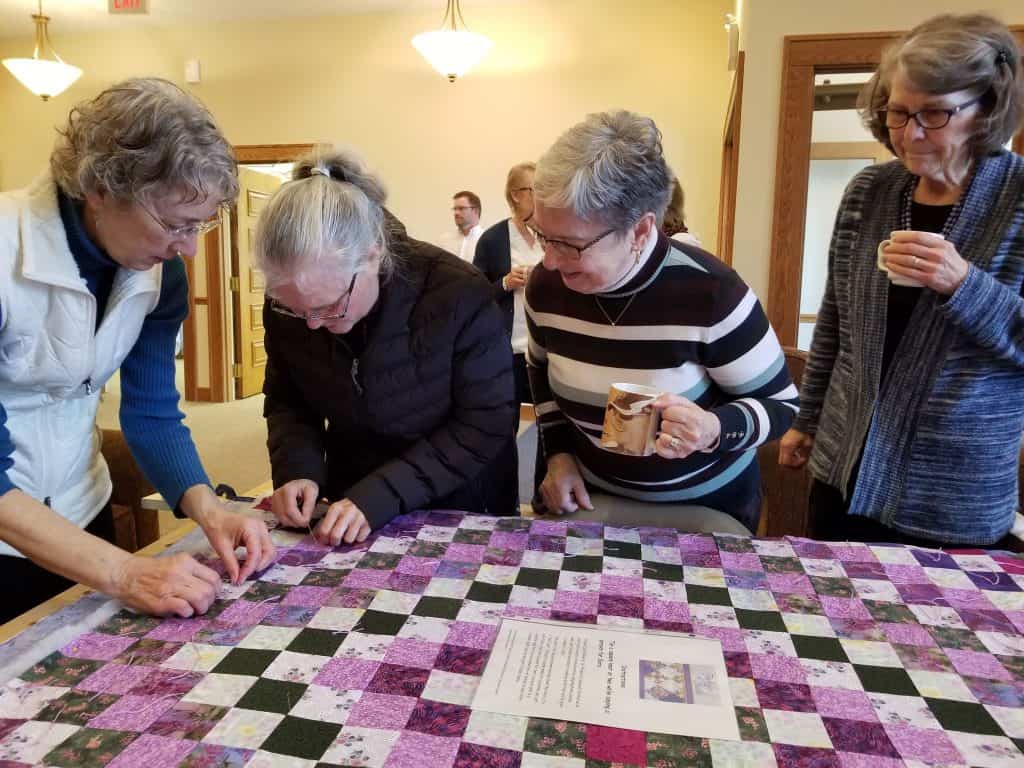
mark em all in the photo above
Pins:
pixel 675 442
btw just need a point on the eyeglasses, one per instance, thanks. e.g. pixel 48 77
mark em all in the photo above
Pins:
pixel 523 189
pixel 463 207
pixel 568 250
pixel 930 119
pixel 319 315
pixel 186 231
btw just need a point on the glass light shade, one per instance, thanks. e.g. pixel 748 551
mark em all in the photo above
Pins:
pixel 44 77
pixel 452 52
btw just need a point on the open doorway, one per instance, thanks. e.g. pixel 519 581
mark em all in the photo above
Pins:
pixel 223 333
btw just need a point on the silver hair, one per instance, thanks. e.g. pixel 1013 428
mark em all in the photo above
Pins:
pixel 948 53
pixel 610 168
pixel 142 139
pixel 329 216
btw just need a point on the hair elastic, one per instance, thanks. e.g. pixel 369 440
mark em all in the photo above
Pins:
pixel 317 170
pixel 1003 56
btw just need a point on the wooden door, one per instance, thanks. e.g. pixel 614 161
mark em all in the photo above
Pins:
pixel 247 287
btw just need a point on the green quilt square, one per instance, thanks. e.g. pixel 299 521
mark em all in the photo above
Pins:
pixel 964 716
pixel 696 593
pixel 770 621
pixel 663 571
pixel 960 639
pixel 668 751
pixel 380 561
pixel 472 536
pixel 428 548
pixel 60 670
pixel 556 738
pixel 752 724
pixel 484 592
pixel 268 695
pixel 540 578
pixel 822 648
pixel 245 661
pixel 298 737
pixel 380 623
pixel 127 624
pixel 89 748
pixel 625 549
pixel 76 708
pixel 895 613
pixel 885 680
pixel 583 563
pixel 826 586
pixel 319 642
pixel 437 607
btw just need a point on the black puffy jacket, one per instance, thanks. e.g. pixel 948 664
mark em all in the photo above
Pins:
pixel 420 416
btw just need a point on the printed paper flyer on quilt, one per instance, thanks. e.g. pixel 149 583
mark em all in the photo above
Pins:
pixel 648 681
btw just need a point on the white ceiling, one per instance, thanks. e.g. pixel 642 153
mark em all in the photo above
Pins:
pixel 80 15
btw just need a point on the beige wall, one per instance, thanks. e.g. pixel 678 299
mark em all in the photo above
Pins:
pixel 764 23
pixel 357 80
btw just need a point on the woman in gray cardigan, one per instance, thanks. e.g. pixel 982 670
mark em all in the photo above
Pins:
pixel 912 404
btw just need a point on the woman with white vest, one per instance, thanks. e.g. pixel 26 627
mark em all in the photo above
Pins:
pixel 91 282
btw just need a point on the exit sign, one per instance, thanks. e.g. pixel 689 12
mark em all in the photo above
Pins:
pixel 128 6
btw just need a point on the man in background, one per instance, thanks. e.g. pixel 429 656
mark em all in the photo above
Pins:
pixel 466 213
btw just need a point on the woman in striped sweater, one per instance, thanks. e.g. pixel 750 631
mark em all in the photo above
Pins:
pixel 913 399
pixel 617 301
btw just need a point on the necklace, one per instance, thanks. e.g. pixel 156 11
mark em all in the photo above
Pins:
pixel 618 317
pixel 951 218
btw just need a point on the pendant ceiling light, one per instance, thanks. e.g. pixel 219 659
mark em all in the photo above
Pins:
pixel 43 76
pixel 452 50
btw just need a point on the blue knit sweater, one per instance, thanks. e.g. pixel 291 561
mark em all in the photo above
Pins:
pixel 150 419
pixel 941 435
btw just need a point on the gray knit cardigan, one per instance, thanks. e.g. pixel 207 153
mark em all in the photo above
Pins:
pixel 941 437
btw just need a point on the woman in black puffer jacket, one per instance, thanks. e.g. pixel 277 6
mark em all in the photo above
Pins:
pixel 389 380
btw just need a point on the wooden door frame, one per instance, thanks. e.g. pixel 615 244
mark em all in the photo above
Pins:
pixel 805 56
pixel 217 300
pixel 730 165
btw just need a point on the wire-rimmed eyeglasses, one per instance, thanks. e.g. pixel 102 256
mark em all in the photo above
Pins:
pixel 323 314
pixel 568 250
pixel 186 231
pixel 930 119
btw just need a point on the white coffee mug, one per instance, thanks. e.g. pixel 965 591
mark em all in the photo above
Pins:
pixel 908 282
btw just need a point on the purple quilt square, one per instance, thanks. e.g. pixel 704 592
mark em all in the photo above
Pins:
pixel 844 608
pixel 872 570
pixel 924 744
pixel 479 756
pixel 443 518
pixel 289 616
pixel 461 660
pixel 975 664
pixel 621 605
pixel 630 586
pixel 165 682
pixel 508 540
pixel 840 702
pixel 244 613
pixel 418 566
pixel 664 610
pixel 741 561
pixel 790 583
pixel 900 573
pixel 848 553
pixel 701 559
pixel 472 635
pixel 217 756
pixel 967 598
pixel 550 527
pixel 132 713
pixel 540 543
pixel 309 597
pixel 696 542
pixel 187 720
pixel 785 696
pixel 424 750
pixel 805 757
pixel 926 658
pixel 7 725
pixel 406 582
pixel 1017 619
pixel 218 634
pixel 438 718
pixel 571 601
pixel 344 673
pixel 986 621
pixel 855 760
pixel 668 626
pixel 933 558
pixel 817 550
pixel 1010 563
pixel 410 652
pixel 368 578
pixel 928 594
pixel 148 751
pixel 352 598
pixel 114 678
pixel 783 669
pixel 502 556
pixel 746 579
pixel 858 736
pixel 378 710
pixel 907 634
pixel 309 554
pixel 996 693
pixel 616 745
pixel 398 680
pixel 857 629
pixel 177 630
pixel 150 653
pixel 579 618
pixel 731 638
pixel 658 537
pixel 465 553
pixel 97 646
pixel 737 664
pixel 589 529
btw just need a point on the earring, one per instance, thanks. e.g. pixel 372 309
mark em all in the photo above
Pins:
pixel 636 255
